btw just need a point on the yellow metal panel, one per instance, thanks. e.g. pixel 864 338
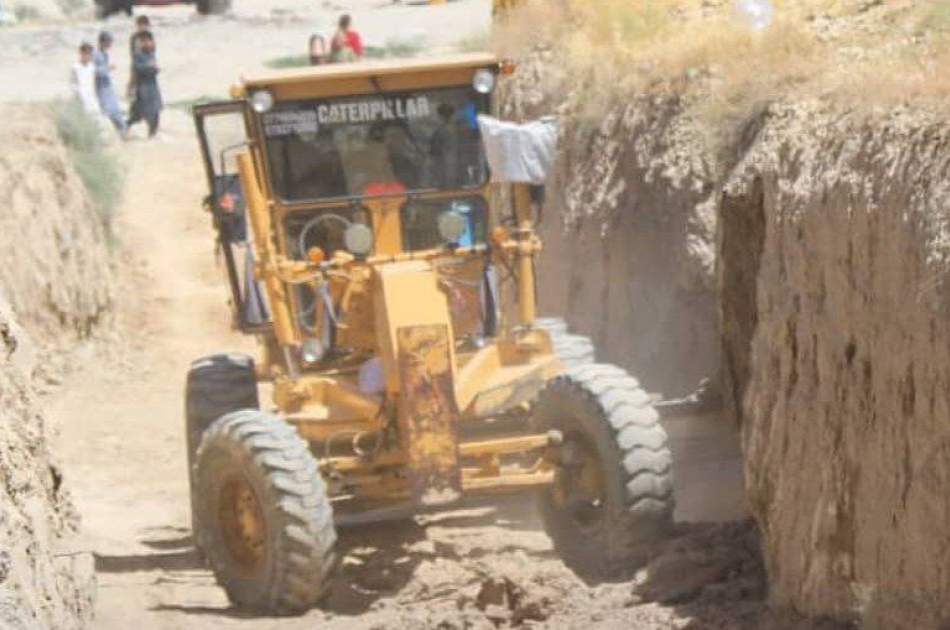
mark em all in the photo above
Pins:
pixel 357 86
pixel 387 224
pixel 407 294
pixel 461 280
pixel 505 374
pixel 340 73
pixel 323 429
pixel 514 482
pixel 485 448
pixel 526 305
pixel 259 213
pixel 335 397
pixel 427 414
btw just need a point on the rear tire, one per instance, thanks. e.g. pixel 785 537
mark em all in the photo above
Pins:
pixel 266 523
pixel 216 385
pixel 213 7
pixel 572 350
pixel 613 491
pixel 554 325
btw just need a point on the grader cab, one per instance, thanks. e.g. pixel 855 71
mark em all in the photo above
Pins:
pixel 394 304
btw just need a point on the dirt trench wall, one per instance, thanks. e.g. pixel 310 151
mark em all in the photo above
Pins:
pixel 46 580
pixel 629 233
pixel 54 261
pixel 55 287
pixel 835 245
pixel 825 250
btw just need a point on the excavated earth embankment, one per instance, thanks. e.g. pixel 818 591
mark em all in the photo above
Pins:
pixel 835 246
pixel 55 286
pixel 628 226
pixel 805 272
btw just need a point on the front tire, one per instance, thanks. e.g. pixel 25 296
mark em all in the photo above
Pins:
pixel 572 350
pixel 613 490
pixel 266 524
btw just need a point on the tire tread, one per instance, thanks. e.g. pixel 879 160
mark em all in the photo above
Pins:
pixel 638 464
pixel 298 502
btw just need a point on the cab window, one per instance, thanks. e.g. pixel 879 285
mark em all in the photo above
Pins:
pixel 376 144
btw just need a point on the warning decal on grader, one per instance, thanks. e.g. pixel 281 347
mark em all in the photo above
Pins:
pixel 427 414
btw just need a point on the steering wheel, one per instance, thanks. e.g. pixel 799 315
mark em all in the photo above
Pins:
pixel 316 222
pixel 307 313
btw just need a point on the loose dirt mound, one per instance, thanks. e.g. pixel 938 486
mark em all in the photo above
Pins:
pixel 706 577
pixel 54 287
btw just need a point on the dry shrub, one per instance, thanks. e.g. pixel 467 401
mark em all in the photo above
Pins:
pixel 96 164
pixel 609 51
pixel 613 49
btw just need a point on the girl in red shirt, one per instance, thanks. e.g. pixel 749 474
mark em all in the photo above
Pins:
pixel 346 44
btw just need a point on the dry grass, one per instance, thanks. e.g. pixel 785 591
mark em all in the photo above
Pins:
pixel 97 166
pixel 610 50
pixel 475 42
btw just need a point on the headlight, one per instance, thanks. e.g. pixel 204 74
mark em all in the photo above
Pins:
pixel 312 351
pixel 262 101
pixel 484 81
pixel 452 226
pixel 358 239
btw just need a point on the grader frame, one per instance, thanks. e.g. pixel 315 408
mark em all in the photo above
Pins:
pixel 410 388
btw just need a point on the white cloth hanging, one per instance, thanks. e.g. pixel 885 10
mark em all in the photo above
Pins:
pixel 522 153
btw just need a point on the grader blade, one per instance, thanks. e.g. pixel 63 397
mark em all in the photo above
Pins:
pixel 427 414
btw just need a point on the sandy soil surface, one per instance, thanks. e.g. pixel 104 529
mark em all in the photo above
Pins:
pixel 120 413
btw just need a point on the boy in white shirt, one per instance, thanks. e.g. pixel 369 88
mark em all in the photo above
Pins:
pixel 83 80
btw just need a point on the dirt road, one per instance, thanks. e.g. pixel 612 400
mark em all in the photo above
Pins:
pixel 120 414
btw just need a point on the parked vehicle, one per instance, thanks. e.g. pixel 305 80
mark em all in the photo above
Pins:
pixel 105 8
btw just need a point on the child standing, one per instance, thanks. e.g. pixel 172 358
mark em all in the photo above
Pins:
pixel 83 80
pixel 346 45
pixel 148 104
pixel 105 90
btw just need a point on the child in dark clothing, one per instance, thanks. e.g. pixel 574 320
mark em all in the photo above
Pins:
pixel 147 105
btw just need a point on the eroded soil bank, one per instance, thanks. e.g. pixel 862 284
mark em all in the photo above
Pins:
pixel 803 263
pixel 629 226
pixel 55 287
pixel 845 223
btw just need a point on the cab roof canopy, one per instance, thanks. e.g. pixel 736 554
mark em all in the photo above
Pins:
pixel 341 79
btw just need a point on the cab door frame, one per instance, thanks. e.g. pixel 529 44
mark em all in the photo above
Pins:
pixel 224 220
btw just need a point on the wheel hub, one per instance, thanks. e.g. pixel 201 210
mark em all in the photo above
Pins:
pixel 242 523
pixel 579 485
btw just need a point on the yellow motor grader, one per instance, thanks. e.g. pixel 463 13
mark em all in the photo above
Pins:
pixel 394 305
